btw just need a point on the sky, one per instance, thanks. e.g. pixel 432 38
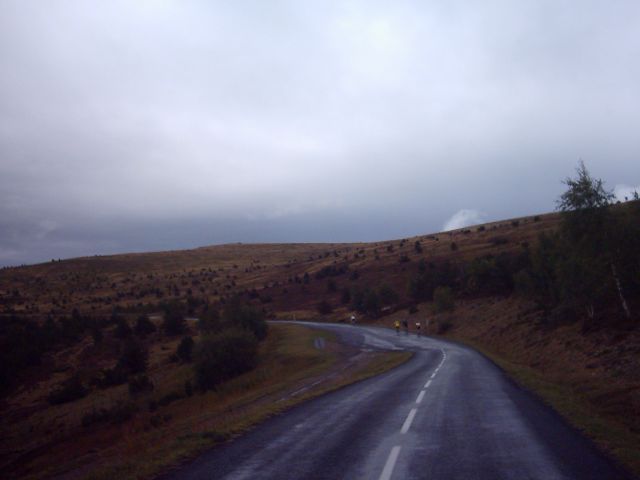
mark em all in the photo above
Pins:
pixel 153 125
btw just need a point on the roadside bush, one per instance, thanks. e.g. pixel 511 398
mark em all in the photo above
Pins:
pixel 345 296
pixel 224 356
pixel 444 327
pixel 324 307
pixel 238 315
pixel 443 300
pixel 68 391
pixel 387 295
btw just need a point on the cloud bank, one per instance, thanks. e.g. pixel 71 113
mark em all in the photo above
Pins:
pixel 135 125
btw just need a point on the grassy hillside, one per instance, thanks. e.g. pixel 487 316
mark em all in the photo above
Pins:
pixel 587 368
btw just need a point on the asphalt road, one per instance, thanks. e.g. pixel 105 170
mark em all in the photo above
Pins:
pixel 449 413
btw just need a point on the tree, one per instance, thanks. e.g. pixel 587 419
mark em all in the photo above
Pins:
pixel 588 224
pixel 223 356
pixel 144 326
pixel 387 295
pixel 133 358
pixel 123 330
pixel 185 349
pixel 443 299
pixel 324 307
pixel 584 207
pixel 237 314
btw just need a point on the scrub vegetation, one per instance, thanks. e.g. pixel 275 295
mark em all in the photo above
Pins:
pixel 102 357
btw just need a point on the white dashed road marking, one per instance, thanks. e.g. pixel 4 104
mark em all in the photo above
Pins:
pixel 395 451
pixel 409 420
pixel 391 462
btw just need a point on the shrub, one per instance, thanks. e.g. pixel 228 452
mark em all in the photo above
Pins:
pixel 209 321
pixel 324 307
pixel 140 384
pixel 174 323
pixel 345 297
pixel 95 416
pixel 224 356
pixel 96 333
pixel 185 349
pixel 454 246
pixel 443 299
pixel 387 295
pixel 444 326
pixel 68 391
pixel 123 330
pixel 169 398
pixel 122 412
pixel 133 358
pixel 144 326
pixel 112 376
pixel 499 241
pixel 238 315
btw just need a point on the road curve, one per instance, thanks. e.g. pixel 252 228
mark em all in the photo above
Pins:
pixel 448 413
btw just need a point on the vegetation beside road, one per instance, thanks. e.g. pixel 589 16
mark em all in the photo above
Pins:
pixel 111 344
pixel 165 425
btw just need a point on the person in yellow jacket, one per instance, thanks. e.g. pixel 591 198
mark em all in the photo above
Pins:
pixel 397 325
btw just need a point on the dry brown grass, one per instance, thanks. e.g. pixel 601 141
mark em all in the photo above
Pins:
pixel 507 328
pixel 50 441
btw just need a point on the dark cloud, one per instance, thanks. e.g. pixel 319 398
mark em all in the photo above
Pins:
pixel 165 124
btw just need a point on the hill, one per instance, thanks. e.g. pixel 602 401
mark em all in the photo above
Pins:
pixel 471 284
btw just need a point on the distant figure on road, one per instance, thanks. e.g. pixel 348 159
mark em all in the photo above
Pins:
pixel 418 329
pixel 397 325
pixel 405 325
pixel 353 318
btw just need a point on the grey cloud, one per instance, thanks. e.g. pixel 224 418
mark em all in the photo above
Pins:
pixel 301 114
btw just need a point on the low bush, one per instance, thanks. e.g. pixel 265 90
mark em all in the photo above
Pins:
pixel 324 307
pixel 144 326
pixel 140 384
pixel 224 356
pixel 185 349
pixel 68 391
pixel 169 398
pixel 443 299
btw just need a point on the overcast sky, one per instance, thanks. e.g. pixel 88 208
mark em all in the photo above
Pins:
pixel 149 125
